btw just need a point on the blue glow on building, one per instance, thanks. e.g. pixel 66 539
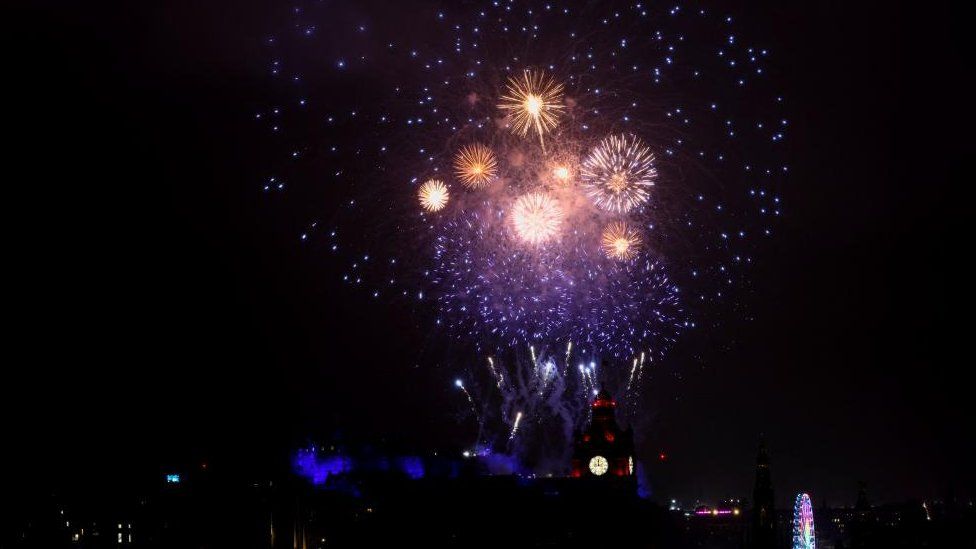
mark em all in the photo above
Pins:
pixel 320 468
pixel 412 466
pixel 317 469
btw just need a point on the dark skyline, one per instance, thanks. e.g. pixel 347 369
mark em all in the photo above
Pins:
pixel 167 311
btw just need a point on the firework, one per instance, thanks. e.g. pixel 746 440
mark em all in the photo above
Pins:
pixel 460 385
pixel 433 195
pixel 515 426
pixel 499 379
pixel 533 102
pixel 561 173
pixel 633 370
pixel 475 166
pixel 620 241
pixel 536 218
pixel 618 173
pixel 430 111
pixel 492 291
pixel 526 263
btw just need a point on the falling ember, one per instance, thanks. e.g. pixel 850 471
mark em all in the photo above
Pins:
pixel 536 218
pixel 533 102
pixel 618 173
pixel 433 195
pixel 620 241
pixel 475 166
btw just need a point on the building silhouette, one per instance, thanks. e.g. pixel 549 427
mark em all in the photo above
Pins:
pixel 762 532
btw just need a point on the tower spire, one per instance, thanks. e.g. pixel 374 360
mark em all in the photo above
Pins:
pixel 763 535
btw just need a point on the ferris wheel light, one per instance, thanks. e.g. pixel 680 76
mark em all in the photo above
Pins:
pixel 803 529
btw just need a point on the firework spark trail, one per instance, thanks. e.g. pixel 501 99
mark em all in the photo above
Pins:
pixel 474 408
pixel 587 374
pixel 636 370
pixel 515 426
pixel 537 391
pixel 569 350
pixel 550 405
pixel 630 379
pixel 498 377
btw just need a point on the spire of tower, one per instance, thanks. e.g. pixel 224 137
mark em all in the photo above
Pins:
pixel 763 503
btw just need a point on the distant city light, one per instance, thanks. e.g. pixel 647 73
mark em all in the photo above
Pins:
pixel 715 511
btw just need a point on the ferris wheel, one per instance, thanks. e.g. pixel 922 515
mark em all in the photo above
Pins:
pixel 803 535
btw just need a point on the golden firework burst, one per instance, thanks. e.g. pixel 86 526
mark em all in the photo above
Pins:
pixel 620 241
pixel 536 218
pixel 433 195
pixel 475 166
pixel 533 102
pixel 619 173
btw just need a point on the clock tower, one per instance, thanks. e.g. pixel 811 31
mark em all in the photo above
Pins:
pixel 603 450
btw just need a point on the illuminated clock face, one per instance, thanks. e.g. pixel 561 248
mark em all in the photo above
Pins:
pixel 598 465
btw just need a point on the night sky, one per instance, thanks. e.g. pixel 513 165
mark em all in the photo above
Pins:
pixel 165 310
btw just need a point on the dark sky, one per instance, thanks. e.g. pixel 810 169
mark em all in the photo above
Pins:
pixel 164 310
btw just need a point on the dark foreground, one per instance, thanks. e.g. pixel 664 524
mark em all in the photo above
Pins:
pixel 205 509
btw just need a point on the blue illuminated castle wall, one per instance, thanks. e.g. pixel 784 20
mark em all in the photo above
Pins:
pixel 323 467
